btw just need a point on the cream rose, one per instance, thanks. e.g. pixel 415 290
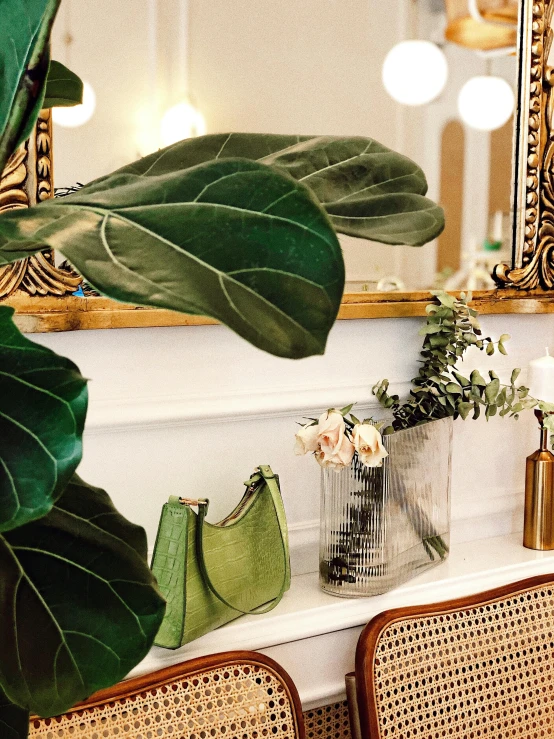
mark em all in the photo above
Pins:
pixel 335 450
pixel 369 445
pixel 331 432
pixel 340 457
pixel 307 439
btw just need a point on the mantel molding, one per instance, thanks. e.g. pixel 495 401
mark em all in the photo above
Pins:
pixel 50 314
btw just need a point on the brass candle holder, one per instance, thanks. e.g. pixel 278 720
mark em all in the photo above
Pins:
pixel 538 530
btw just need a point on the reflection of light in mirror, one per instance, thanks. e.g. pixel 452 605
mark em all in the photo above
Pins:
pixel 182 121
pixel 415 72
pixel 77 115
pixel 486 103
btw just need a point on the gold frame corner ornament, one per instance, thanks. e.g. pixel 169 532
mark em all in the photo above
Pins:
pixel 27 180
pixel 533 256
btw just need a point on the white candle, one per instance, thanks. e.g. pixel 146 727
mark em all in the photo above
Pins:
pixel 541 378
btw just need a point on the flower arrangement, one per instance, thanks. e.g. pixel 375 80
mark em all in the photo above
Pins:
pixel 405 500
pixel 338 437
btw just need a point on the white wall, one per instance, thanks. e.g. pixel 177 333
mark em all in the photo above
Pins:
pixel 192 410
pixel 184 410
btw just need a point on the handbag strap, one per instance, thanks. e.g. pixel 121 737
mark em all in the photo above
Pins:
pixel 265 474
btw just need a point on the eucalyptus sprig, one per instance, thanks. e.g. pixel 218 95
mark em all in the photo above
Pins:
pixel 439 390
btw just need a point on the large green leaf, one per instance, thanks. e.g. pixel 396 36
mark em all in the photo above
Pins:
pixel 79 607
pixel 14 721
pixel 368 190
pixel 25 27
pixel 230 239
pixel 43 403
pixel 63 87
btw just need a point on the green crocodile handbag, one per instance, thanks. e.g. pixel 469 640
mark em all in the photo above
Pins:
pixel 212 573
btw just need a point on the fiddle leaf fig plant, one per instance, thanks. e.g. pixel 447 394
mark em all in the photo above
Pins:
pixel 43 404
pixel 238 227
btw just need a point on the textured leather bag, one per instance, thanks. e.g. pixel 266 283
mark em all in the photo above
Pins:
pixel 212 573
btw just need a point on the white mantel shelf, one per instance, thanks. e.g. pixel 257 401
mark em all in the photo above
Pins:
pixel 313 635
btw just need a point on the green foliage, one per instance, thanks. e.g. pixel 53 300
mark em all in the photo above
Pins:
pixel 238 227
pixel 63 87
pixel 368 190
pixel 43 403
pixel 439 390
pixel 230 239
pixel 79 604
pixel 14 721
pixel 24 57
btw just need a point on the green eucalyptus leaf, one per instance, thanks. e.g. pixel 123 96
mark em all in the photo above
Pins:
pixel 43 403
pixel 368 190
pixel 14 721
pixel 548 423
pixel 477 379
pixel 546 407
pixel 79 607
pixel 492 390
pixel 25 27
pixel 502 348
pixel 464 382
pixel 504 338
pixel 464 409
pixel 490 350
pixel 453 388
pixel 515 374
pixel 491 410
pixel 448 301
pixel 63 87
pixel 232 239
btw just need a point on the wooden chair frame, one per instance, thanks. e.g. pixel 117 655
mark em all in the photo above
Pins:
pixel 369 726
pixel 129 689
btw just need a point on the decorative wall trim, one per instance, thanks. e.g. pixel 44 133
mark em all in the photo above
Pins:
pixel 160 412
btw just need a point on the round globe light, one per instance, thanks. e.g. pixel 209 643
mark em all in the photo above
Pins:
pixel 486 103
pixel 182 121
pixel 415 72
pixel 77 115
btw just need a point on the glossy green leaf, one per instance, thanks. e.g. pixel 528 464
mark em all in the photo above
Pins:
pixel 79 606
pixel 14 721
pixel 63 87
pixel 25 27
pixel 368 190
pixel 43 402
pixel 233 240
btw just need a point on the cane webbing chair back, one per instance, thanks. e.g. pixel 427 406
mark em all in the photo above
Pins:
pixel 472 668
pixel 235 695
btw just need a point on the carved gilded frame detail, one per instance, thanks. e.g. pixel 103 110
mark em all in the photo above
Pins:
pixel 40 292
pixel 27 180
pixel 533 256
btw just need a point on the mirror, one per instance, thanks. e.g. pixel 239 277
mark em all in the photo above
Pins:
pixel 308 67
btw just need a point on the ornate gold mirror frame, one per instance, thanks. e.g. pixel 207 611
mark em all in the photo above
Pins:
pixel 533 256
pixel 41 292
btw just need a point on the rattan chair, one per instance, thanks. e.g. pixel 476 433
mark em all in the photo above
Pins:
pixel 476 667
pixel 234 695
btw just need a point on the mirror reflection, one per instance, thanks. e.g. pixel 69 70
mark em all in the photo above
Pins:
pixel 432 79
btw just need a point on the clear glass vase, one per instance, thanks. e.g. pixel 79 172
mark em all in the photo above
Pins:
pixel 380 526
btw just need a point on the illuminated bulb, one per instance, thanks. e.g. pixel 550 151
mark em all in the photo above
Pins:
pixel 415 72
pixel 182 121
pixel 486 103
pixel 77 115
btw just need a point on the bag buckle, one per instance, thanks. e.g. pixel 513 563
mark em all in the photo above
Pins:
pixel 192 502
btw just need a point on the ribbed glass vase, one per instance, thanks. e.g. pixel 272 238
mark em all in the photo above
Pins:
pixel 380 526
